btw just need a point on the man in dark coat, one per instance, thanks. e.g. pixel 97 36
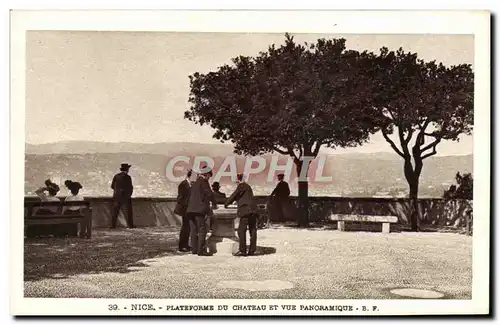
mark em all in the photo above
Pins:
pixel 219 196
pixel 198 210
pixel 247 212
pixel 122 195
pixel 281 197
pixel 183 193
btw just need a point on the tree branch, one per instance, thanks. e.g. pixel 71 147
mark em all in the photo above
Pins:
pixel 408 138
pixel 316 149
pixel 393 145
pixel 291 152
pixel 432 153
pixel 402 140
pixel 281 151
pixel 432 145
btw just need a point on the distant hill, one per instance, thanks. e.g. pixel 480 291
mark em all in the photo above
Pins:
pixel 94 164
pixel 163 148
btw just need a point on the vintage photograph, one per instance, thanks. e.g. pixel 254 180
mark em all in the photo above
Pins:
pixel 249 165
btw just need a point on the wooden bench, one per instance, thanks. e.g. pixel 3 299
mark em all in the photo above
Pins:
pixel 384 220
pixel 83 219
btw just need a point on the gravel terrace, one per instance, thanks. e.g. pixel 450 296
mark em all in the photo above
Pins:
pixel 294 264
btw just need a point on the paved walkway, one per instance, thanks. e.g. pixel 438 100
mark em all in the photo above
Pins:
pixel 322 264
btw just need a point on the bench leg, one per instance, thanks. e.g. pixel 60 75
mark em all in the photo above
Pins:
pixel 82 227
pixel 386 227
pixel 341 225
pixel 89 225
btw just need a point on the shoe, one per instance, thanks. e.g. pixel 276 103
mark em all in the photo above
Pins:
pixel 204 254
pixel 238 253
pixel 251 254
pixel 184 250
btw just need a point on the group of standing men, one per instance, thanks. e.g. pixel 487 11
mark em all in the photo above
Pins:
pixel 196 202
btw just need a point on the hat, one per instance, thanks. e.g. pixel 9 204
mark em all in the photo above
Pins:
pixel 239 177
pixel 216 185
pixel 281 175
pixel 51 187
pixel 125 167
pixel 205 167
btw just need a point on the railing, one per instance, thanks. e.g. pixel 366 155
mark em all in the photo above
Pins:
pixel 158 211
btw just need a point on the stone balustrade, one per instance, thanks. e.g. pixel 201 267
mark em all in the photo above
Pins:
pixel 158 211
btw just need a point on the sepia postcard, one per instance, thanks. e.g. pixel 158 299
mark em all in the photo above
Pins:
pixel 250 163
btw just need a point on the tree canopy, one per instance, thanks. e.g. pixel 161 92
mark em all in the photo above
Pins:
pixel 292 99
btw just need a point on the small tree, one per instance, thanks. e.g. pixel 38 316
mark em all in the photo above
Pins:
pixel 463 189
pixel 423 103
pixel 292 100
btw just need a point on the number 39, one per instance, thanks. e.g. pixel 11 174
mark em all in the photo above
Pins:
pixel 113 307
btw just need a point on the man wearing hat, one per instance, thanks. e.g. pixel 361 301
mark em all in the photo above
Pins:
pixel 122 195
pixel 200 198
pixel 281 196
pixel 243 195
pixel 183 193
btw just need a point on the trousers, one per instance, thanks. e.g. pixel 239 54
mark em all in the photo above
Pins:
pixel 119 204
pixel 248 222
pixel 198 225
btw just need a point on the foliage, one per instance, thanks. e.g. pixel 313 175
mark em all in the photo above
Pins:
pixel 424 101
pixel 463 189
pixel 291 99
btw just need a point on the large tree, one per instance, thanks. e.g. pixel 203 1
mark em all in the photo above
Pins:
pixel 291 99
pixel 420 104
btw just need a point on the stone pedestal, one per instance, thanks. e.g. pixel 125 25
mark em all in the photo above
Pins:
pixel 223 240
pixel 222 246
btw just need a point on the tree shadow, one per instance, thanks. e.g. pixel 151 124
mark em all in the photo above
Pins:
pixel 264 250
pixel 439 229
pixel 107 251
pixel 332 225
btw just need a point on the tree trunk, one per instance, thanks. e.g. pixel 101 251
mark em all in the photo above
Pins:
pixel 303 215
pixel 303 209
pixel 414 202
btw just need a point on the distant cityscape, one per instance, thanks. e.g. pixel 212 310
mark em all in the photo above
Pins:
pixel 354 175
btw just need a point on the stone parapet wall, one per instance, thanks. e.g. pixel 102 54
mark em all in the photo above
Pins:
pixel 159 211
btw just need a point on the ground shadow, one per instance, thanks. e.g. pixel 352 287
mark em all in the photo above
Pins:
pixel 368 227
pixel 106 251
pixel 263 250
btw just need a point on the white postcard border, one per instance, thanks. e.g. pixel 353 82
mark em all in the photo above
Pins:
pixel 338 22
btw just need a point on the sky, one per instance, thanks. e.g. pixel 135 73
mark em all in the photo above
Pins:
pixel 134 86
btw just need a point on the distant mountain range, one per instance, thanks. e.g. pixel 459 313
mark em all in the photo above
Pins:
pixel 162 148
pixel 94 163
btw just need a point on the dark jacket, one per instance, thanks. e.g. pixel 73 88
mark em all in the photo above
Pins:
pixel 220 197
pixel 183 192
pixel 122 186
pixel 243 195
pixel 282 190
pixel 200 197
